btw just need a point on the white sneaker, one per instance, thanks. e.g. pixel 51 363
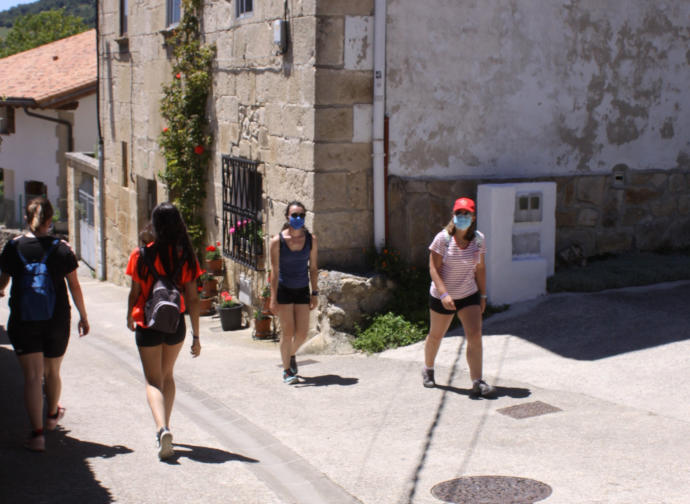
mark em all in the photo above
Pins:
pixel 481 388
pixel 165 444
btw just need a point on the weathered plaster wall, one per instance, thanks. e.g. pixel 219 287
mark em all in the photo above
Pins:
pixel 498 88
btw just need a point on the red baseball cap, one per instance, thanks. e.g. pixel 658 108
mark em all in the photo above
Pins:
pixel 463 204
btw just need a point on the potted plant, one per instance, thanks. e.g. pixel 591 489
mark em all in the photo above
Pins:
pixel 205 303
pixel 230 311
pixel 214 262
pixel 262 324
pixel 209 285
pixel 266 297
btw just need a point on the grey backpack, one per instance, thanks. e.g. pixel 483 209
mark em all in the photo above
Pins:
pixel 162 308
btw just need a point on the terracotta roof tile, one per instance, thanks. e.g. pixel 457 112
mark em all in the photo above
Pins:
pixel 47 72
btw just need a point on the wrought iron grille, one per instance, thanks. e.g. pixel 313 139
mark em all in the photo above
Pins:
pixel 243 237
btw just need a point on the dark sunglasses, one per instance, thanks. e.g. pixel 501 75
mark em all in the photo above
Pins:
pixel 297 215
pixel 463 212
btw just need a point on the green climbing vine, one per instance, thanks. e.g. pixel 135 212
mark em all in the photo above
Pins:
pixel 185 140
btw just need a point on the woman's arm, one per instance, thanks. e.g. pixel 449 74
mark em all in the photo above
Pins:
pixel 191 299
pixel 274 248
pixel 480 277
pixel 4 280
pixel 314 274
pixel 435 263
pixel 134 293
pixel 78 298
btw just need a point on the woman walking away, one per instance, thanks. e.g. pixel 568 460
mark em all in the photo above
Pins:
pixel 293 260
pixel 169 256
pixel 458 287
pixel 39 322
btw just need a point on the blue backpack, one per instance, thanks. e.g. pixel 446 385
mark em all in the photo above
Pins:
pixel 36 289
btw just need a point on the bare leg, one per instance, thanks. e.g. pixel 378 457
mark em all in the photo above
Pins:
pixel 301 314
pixel 170 353
pixel 53 383
pixel 32 368
pixel 471 318
pixel 151 361
pixel 438 326
pixel 286 314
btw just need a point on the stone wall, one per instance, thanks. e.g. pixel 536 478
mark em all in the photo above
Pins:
pixel 624 210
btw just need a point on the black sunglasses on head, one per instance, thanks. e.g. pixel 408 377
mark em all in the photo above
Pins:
pixel 297 215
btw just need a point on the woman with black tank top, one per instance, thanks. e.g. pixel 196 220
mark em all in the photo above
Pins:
pixel 293 261
pixel 39 342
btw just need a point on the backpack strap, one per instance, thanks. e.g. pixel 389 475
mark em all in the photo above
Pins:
pixel 45 256
pixel 447 237
pixel 152 267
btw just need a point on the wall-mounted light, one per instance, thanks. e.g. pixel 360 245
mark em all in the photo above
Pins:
pixel 280 36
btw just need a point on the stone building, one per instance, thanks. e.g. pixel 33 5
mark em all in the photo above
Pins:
pixel 378 138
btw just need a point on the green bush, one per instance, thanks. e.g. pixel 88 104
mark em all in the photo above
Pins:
pixel 388 331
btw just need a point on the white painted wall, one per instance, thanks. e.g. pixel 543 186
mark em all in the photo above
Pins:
pixel 533 88
pixel 516 278
pixel 31 152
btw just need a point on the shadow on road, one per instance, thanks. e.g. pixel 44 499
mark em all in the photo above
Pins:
pixel 63 470
pixel 325 381
pixel 514 392
pixel 206 455
pixel 603 324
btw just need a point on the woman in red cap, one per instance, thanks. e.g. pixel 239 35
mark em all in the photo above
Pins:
pixel 458 287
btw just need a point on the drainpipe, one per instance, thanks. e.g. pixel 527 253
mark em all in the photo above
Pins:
pixel 70 139
pixel 379 177
pixel 101 170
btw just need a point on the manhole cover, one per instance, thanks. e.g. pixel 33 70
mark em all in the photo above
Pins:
pixel 491 490
pixel 527 410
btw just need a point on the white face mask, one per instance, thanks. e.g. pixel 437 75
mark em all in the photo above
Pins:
pixel 462 222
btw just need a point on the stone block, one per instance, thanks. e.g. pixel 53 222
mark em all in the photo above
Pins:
pixel 684 204
pixel 350 8
pixel 302 38
pixel 677 182
pixel 591 189
pixel 639 195
pixel 612 242
pixel 359 42
pixel 648 180
pixel 354 229
pixel 633 215
pixel 246 87
pixel 330 35
pixel 664 207
pixel 649 232
pixel 333 124
pixel 566 218
pixel 342 157
pixel 584 238
pixel 587 217
pixel 341 191
pixel 343 87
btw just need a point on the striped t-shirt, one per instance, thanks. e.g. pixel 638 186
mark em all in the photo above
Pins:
pixel 458 268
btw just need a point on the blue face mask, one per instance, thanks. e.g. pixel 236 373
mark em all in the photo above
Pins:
pixel 462 222
pixel 296 222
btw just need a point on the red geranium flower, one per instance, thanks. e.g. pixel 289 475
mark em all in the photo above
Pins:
pixel 165 130
pixel 199 149
pixel 177 76
pixel 210 248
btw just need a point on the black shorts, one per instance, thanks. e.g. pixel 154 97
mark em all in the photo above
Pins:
pixel 286 295
pixel 150 337
pixel 49 337
pixel 436 305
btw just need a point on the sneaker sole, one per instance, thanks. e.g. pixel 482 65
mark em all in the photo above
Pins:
pixel 429 385
pixel 166 449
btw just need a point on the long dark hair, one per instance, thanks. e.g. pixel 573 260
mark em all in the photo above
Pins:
pixel 171 242
pixel 287 213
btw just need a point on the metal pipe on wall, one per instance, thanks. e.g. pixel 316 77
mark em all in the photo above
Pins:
pixel 379 178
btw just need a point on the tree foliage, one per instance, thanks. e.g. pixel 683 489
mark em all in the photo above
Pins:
pixel 34 30
pixel 85 9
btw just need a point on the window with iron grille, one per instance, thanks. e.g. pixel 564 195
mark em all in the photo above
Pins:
pixel 243 7
pixel 243 237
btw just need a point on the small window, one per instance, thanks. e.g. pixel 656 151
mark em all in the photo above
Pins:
pixel 528 207
pixel 173 12
pixel 123 17
pixel 125 164
pixel 243 7
pixel 6 120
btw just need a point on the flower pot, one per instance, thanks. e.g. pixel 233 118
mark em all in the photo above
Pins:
pixel 231 317
pixel 205 306
pixel 215 267
pixel 262 328
pixel 210 287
